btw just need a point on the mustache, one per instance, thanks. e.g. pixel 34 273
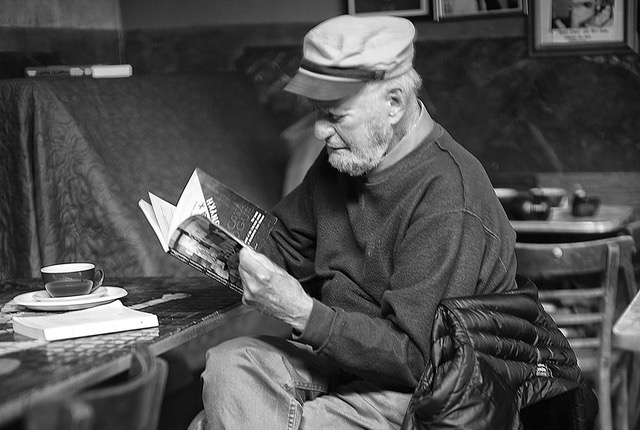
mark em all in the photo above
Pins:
pixel 335 142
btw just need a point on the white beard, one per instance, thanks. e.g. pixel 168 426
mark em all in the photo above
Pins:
pixel 357 161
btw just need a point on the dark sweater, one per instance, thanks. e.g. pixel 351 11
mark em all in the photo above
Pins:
pixel 378 253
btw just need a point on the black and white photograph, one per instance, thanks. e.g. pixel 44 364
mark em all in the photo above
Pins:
pixel 319 215
pixel 582 26
pixel 389 7
pixel 456 9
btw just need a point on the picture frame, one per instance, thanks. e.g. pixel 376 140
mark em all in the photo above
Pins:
pixel 575 27
pixel 470 9
pixel 389 7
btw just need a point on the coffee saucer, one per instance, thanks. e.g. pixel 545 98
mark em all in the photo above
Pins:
pixel 71 303
pixel 43 296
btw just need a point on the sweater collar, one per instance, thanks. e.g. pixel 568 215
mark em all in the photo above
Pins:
pixel 410 141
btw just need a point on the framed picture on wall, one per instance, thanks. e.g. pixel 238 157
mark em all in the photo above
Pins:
pixel 459 9
pixel 579 27
pixel 389 7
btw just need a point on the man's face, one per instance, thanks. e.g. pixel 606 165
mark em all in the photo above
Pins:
pixel 581 11
pixel 356 131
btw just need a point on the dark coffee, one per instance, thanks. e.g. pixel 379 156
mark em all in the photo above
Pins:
pixel 65 288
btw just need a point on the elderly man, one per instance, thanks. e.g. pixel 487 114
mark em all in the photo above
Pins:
pixel 392 217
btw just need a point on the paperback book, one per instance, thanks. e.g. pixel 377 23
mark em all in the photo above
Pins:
pixel 208 227
pixel 110 318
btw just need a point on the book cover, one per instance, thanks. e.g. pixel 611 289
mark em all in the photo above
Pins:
pixel 110 318
pixel 208 227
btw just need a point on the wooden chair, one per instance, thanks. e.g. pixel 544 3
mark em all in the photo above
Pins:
pixel 132 404
pixel 579 284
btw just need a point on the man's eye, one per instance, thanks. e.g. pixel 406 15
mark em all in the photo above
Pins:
pixel 326 115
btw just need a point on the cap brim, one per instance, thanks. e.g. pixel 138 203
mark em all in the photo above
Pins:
pixel 322 87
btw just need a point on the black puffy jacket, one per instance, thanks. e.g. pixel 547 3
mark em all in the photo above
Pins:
pixel 499 362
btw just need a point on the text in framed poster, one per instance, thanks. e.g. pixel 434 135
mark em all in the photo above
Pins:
pixel 564 27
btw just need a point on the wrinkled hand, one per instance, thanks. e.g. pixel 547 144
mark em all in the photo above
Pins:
pixel 272 291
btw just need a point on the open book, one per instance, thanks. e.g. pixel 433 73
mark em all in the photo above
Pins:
pixel 208 227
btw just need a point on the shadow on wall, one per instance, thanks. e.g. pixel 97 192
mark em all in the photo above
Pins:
pixel 539 114
pixel 513 112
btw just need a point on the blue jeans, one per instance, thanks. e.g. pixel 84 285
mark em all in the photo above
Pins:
pixel 270 383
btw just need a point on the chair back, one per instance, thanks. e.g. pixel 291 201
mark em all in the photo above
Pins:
pixel 579 272
pixel 580 286
pixel 132 404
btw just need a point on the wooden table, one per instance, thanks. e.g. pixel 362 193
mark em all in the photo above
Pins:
pixel 626 330
pixel 32 370
pixel 563 226
pixel 626 336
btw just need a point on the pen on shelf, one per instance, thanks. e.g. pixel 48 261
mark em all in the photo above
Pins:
pixel 95 71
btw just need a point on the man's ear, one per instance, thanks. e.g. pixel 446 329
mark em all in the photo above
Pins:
pixel 397 103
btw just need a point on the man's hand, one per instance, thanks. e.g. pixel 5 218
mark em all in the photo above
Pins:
pixel 272 291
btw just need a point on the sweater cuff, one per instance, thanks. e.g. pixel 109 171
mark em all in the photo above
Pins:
pixel 319 327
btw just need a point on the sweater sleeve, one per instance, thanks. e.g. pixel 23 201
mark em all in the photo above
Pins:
pixel 439 257
pixel 293 239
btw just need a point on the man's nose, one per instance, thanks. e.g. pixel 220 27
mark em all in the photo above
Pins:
pixel 323 129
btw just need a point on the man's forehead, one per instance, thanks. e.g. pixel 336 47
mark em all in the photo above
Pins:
pixel 325 105
pixel 348 102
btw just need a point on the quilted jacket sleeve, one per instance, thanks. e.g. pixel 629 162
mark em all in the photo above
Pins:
pixel 493 357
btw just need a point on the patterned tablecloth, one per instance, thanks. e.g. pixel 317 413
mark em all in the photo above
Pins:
pixel 31 370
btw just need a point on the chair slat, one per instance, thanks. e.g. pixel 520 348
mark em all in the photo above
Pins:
pixel 585 343
pixel 577 294
pixel 563 320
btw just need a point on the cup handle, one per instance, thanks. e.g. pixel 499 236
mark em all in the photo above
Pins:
pixel 98 278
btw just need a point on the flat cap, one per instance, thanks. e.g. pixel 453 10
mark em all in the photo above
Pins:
pixel 342 53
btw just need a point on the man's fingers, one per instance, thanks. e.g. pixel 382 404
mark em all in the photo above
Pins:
pixel 250 262
pixel 256 262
